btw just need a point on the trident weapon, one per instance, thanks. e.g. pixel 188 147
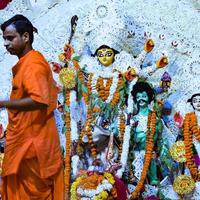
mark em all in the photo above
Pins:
pixel 74 20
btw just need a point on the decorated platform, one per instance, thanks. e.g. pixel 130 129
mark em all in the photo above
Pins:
pixel 128 112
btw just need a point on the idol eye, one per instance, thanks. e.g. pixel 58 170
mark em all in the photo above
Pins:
pixel 138 97
pixel 100 55
pixel 194 100
pixel 109 54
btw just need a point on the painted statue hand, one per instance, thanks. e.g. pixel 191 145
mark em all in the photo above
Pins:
pixel 162 62
pixel 130 74
pixel 149 45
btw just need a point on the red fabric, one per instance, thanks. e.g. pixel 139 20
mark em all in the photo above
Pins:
pixel 121 189
pixel 4 3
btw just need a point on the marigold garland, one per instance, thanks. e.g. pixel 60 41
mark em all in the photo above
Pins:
pixel 87 126
pixel 68 147
pixel 103 91
pixel 151 127
pixel 190 127
pixel 89 86
pixel 1 162
pixel 90 183
pixel 116 95
pixel 122 127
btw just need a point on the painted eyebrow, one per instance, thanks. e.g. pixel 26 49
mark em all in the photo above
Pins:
pixel 196 99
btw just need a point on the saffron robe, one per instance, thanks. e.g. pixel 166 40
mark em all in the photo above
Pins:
pixel 32 135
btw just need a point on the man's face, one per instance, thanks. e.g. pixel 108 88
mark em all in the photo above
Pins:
pixel 13 41
pixel 142 99
pixel 196 103
pixel 105 56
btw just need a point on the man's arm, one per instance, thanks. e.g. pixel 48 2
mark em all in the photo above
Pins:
pixel 25 104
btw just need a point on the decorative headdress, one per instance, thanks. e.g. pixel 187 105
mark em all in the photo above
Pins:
pixel 105 25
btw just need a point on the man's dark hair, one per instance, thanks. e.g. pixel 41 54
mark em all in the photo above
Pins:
pixel 143 87
pixel 22 25
pixel 190 100
pixel 104 47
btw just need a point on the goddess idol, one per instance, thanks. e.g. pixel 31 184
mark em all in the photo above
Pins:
pixel 96 87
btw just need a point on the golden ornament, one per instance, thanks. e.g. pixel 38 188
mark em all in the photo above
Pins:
pixel 183 184
pixel 177 151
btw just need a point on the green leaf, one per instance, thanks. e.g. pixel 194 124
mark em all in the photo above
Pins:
pixel 66 108
pixel 77 58
pixel 62 150
pixel 64 130
pixel 107 110
pixel 63 117
pixel 84 88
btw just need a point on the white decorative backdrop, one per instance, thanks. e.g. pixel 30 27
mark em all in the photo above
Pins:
pixel 169 23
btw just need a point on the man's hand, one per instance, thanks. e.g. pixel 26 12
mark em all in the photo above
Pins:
pixel 1 104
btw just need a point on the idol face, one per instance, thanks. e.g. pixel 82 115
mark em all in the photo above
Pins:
pixel 142 99
pixel 196 102
pixel 105 56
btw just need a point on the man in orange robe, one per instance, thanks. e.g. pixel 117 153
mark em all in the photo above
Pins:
pixel 32 166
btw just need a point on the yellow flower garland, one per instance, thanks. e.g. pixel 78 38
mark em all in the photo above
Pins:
pixel 74 187
pixel 109 177
pixel 183 184
pixel 177 151
pixel 67 78
pixel 122 127
pixel 101 196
